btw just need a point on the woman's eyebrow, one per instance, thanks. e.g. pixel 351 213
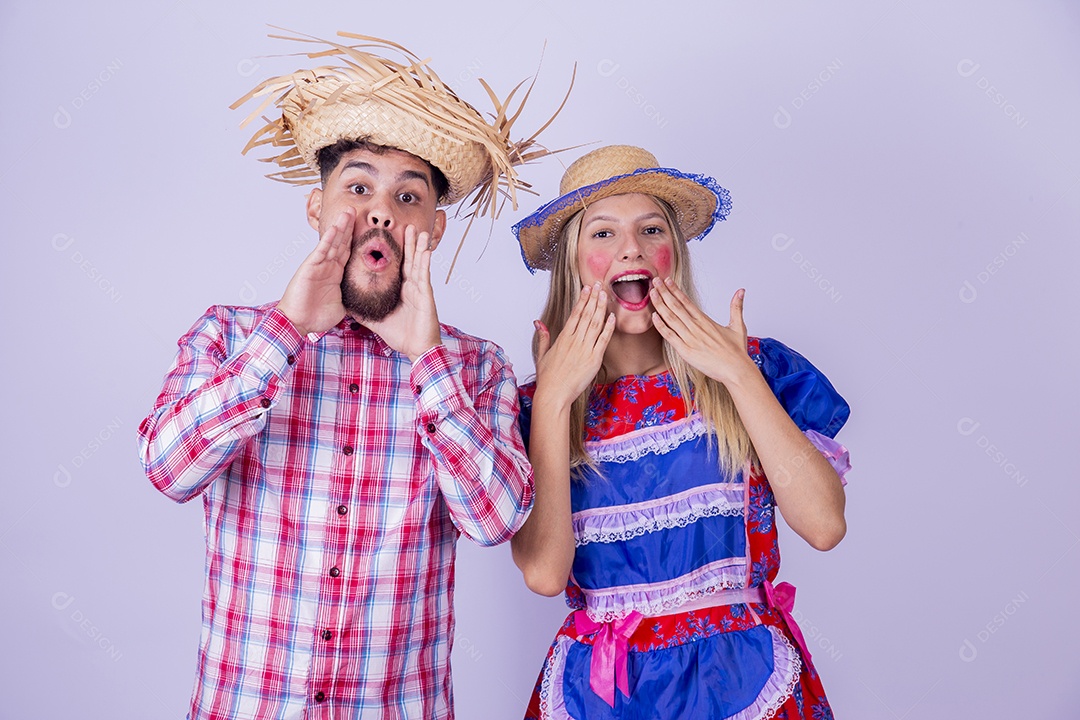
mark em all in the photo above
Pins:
pixel 639 218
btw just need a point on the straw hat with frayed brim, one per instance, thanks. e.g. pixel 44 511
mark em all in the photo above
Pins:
pixel 698 200
pixel 403 105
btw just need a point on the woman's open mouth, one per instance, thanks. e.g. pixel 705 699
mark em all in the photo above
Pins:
pixel 631 289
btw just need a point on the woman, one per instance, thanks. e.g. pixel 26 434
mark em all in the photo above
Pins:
pixel 652 429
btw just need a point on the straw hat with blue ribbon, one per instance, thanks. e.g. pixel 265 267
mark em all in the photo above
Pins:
pixel 698 200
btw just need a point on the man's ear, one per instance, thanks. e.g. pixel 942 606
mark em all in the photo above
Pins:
pixel 439 228
pixel 314 208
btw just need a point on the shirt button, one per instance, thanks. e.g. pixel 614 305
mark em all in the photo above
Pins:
pixel 265 402
pixel 291 359
pixel 334 572
pixel 354 326
pixel 430 427
pixel 347 449
pixel 354 388
pixel 341 509
pixel 320 696
pixel 417 389
pixel 326 634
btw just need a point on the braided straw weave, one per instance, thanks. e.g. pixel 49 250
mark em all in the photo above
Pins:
pixel 398 104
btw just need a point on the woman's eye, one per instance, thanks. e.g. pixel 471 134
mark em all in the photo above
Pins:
pixel 654 230
pixel 602 234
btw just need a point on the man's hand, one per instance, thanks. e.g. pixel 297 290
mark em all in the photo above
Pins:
pixel 312 301
pixel 413 328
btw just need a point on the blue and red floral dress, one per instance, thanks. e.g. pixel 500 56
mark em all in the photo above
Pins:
pixel 660 530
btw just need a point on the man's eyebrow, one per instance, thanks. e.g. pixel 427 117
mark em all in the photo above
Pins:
pixel 414 175
pixel 370 169
pixel 361 165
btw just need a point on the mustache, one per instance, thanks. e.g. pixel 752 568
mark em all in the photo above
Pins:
pixel 376 232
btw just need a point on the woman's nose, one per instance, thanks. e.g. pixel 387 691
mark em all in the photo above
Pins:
pixel 631 248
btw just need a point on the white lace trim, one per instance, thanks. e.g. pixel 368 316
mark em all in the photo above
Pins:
pixel 657 440
pixel 551 697
pixel 662 598
pixel 625 522
pixel 781 683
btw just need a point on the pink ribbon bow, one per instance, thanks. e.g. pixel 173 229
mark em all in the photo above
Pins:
pixel 782 599
pixel 609 652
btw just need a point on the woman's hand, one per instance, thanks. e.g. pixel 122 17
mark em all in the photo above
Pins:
pixel 717 350
pixel 566 367
pixel 544 546
pixel 808 491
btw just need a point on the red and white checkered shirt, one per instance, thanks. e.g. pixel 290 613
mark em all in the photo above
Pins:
pixel 335 477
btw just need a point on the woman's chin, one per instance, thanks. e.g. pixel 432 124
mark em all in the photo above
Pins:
pixel 637 323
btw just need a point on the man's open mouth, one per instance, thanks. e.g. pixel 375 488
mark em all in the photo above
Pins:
pixel 376 254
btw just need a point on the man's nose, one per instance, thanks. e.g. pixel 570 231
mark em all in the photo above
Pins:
pixel 379 215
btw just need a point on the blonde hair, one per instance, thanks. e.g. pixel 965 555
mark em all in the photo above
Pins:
pixel 699 392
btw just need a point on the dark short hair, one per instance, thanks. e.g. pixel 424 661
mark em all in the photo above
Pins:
pixel 329 157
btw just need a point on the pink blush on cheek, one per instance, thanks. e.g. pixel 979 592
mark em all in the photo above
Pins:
pixel 598 264
pixel 662 261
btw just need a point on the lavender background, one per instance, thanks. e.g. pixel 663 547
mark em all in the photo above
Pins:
pixel 906 213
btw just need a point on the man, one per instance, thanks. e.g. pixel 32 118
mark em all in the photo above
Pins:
pixel 342 438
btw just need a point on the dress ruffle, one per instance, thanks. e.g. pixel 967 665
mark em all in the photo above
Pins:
pixel 781 683
pixel 660 598
pixel 834 452
pixel 624 522
pixel 655 440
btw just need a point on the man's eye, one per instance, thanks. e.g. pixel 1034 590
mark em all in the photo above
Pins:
pixel 358 189
pixel 407 197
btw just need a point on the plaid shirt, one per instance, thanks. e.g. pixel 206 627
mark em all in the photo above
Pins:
pixel 335 477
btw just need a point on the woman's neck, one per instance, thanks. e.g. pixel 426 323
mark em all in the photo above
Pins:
pixel 638 354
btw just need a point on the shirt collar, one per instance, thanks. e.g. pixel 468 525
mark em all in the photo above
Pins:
pixel 351 327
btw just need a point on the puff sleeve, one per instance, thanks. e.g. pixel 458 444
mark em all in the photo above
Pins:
pixel 806 394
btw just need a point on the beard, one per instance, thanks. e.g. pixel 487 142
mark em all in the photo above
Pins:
pixel 371 305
